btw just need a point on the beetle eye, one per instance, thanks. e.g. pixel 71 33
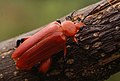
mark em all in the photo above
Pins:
pixel 81 28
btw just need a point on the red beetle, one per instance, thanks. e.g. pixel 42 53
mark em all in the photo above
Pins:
pixel 41 46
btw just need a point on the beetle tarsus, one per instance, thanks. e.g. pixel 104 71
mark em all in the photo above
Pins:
pixel 68 18
pixel 74 39
pixel 58 20
pixel 19 41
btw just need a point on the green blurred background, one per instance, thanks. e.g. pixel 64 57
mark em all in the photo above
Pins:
pixel 20 16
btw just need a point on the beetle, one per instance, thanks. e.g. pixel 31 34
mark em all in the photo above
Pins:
pixel 38 48
pixel 45 43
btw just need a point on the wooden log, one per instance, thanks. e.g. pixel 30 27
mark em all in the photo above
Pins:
pixel 95 58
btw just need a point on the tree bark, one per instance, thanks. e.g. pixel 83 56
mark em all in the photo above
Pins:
pixel 95 58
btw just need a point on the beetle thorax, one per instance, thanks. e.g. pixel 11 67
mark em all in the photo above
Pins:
pixel 69 28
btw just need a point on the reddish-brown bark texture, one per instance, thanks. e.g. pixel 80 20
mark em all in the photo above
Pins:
pixel 95 58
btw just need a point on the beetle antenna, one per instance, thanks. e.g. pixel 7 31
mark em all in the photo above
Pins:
pixel 72 13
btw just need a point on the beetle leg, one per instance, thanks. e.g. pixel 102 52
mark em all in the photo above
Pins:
pixel 58 20
pixel 19 41
pixel 45 65
pixel 65 51
pixel 74 39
